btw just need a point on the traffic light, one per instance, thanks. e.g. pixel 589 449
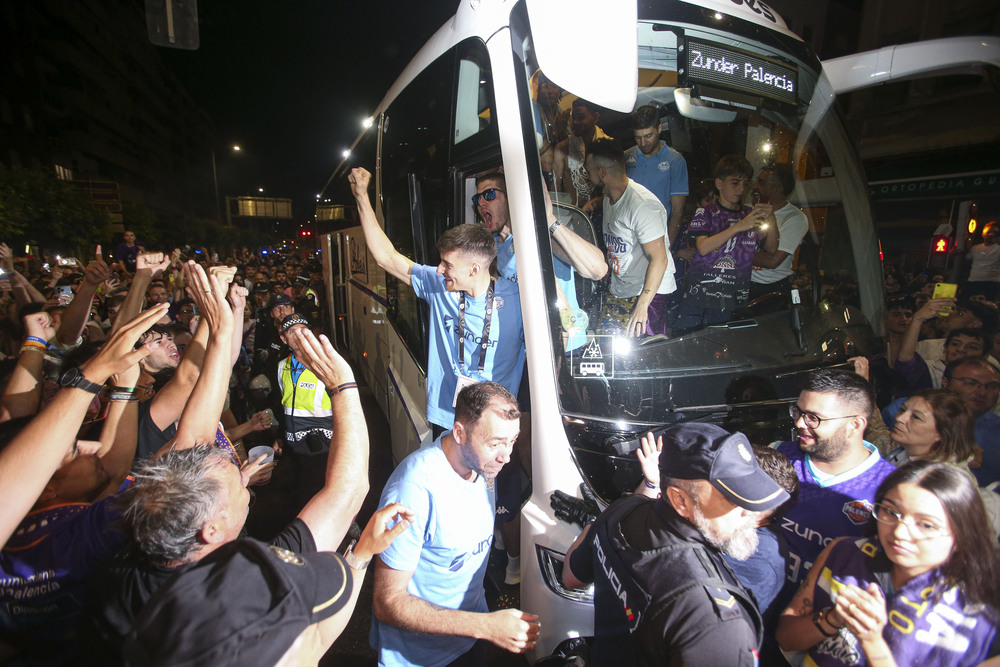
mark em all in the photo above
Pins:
pixel 940 244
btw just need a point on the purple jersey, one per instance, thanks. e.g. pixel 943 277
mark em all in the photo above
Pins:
pixel 927 626
pixel 721 279
pixel 837 507
pixel 45 568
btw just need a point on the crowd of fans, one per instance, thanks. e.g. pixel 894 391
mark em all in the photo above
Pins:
pixel 135 386
pixel 126 408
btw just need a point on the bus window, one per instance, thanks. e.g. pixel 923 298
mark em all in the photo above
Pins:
pixel 473 92
pixel 625 385
pixel 414 190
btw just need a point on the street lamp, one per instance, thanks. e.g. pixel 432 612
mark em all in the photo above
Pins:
pixel 215 178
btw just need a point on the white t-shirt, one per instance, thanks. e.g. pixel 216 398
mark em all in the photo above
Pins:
pixel 792 226
pixel 637 217
pixel 985 263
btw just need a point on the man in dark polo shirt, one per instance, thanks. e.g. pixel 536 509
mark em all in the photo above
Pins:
pixel 663 594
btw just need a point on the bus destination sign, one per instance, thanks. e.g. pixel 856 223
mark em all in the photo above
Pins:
pixel 737 70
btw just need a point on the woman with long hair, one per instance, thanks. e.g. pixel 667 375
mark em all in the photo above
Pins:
pixel 925 590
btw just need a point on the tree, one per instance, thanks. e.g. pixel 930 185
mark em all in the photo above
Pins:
pixel 38 206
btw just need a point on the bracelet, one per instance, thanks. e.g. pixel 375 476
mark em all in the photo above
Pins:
pixel 123 396
pixel 555 225
pixel 36 348
pixel 826 617
pixel 122 390
pixel 34 344
pixel 818 619
pixel 342 387
pixel 36 339
pixel 353 561
pixel 648 485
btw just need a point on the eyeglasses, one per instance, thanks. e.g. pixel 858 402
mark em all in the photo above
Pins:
pixel 976 384
pixel 811 420
pixel 489 194
pixel 919 529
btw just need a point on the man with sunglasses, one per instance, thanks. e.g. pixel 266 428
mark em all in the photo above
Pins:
pixel 838 471
pixel 570 254
pixel 570 250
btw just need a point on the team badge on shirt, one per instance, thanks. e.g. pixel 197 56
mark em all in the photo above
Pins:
pixel 858 511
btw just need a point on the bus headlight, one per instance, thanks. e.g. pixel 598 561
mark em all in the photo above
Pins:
pixel 550 562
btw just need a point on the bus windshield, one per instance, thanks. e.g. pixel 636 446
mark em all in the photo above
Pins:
pixel 738 91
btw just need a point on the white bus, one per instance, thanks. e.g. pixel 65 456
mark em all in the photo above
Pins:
pixel 730 78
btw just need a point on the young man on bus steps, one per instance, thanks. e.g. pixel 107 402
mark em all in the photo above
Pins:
pixel 471 312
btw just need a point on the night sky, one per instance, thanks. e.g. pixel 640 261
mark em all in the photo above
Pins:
pixel 290 82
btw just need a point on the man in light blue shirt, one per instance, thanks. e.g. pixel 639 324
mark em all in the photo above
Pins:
pixel 470 311
pixel 657 167
pixel 429 604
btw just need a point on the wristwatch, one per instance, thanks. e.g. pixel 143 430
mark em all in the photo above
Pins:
pixel 73 378
pixel 556 224
pixel 353 561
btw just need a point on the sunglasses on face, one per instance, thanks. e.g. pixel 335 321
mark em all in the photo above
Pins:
pixel 489 194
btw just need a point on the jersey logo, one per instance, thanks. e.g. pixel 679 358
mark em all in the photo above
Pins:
pixel 663 166
pixel 858 511
pixel 498 302
pixel 307 385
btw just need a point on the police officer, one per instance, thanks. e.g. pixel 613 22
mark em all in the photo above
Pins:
pixel 307 411
pixel 663 594
pixel 306 301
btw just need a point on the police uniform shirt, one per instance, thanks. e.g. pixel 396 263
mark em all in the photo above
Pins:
pixel 705 625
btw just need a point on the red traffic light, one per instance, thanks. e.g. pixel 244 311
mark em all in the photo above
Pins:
pixel 940 245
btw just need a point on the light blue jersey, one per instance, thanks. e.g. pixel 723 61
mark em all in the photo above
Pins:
pixel 664 174
pixel 446 547
pixel 506 266
pixel 504 362
pixel 565 278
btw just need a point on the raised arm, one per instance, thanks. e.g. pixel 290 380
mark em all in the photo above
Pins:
pixel 120 433
pixel 33 456
pixel 238 299
pixel 24 292
pixel 147 264
pixel 375 539
pixel 379 244
pixel 168 403
pixel 200 418
pixel 930 310
pixel 330 512
pixel 24 388
pixel 585 257
pixel 77 313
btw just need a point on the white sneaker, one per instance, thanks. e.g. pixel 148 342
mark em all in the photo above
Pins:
pixel 512 577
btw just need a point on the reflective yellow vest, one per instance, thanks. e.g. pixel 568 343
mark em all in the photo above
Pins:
pixel 307 397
